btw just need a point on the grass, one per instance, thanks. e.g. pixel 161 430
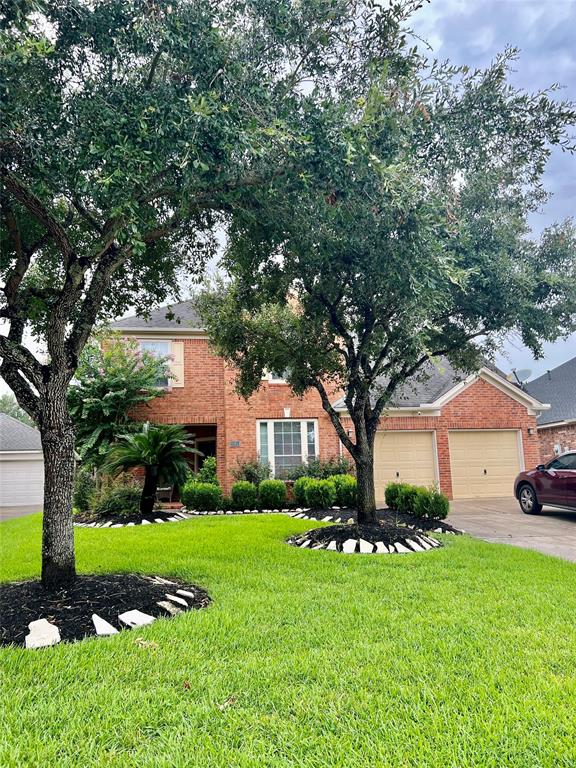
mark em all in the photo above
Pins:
pixel 464 656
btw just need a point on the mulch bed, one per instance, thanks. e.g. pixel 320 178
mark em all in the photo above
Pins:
pixel 88 517
pixel 386 516
pixel 386 532
pixel 71 609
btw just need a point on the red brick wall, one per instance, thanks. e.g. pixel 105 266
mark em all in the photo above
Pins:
pixel 208 397
pixel 565 436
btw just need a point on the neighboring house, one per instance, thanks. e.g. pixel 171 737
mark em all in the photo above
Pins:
pixel 470 435
pixel 21 464
pixel 556 426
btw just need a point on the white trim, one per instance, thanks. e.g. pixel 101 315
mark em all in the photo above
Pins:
pixel 521 451
pixel 192 333
pixel 303 438
pixel 552 424
pixel 22 455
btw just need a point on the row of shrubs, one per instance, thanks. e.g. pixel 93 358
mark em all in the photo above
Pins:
pixel 271 494
pixel 416 500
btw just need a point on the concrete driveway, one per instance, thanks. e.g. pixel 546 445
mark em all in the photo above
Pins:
pixel 552 532
pixel 8 513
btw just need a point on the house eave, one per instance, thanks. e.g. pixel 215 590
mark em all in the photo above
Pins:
pixel 561 423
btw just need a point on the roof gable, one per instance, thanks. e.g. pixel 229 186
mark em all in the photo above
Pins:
pixel 17 436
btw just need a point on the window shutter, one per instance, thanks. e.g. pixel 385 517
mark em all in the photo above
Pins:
pixel 177 364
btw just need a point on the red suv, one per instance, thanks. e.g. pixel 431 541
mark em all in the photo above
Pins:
pixel 553 484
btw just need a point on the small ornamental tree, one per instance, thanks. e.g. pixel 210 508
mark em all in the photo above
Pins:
pixel 417 247
pixel 129 130
pixel 112 378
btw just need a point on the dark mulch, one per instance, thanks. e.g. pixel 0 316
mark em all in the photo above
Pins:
pixel 385 531
pixel 71 609
pixel 90 517
pixel 387 516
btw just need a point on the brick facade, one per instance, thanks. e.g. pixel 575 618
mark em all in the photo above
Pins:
pixel 563 436
pixel 208 398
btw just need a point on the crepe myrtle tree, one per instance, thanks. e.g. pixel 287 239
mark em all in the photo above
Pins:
pixel 418 248
pixel 129 129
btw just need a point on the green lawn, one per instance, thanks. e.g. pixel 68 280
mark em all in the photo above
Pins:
pixel 465 656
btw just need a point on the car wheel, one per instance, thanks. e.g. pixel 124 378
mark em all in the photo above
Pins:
pixel 528 501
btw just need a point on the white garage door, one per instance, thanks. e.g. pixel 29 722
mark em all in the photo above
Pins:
pixel 21 481
pixel 408 457
pixel 484 463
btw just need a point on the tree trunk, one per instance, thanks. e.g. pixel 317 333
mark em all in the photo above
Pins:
pixel 148 498
pixel 57 435
pixel 366 497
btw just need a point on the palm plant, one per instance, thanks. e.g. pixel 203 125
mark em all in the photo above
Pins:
pixel 159 449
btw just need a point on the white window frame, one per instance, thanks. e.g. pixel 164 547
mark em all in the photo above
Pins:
pixel 303 439
pixel 152 340
pixel 271 378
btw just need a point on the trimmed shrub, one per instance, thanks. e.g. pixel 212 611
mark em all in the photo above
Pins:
pixel 272 494
pixel 119 501
pixel 299 489
pixel 84 490
pixel 201 496
pixel 253 471
pixel 346 487
pixel 320 494
pixel 407 498
pixel 244 495
pixel 392 493
pixel 431 503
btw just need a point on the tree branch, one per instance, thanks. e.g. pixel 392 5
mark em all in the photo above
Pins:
pixel 35 206
pixel 334 418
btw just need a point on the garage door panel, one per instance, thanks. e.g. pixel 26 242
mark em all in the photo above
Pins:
pixel 21 482
pixel 484 462
pixel 403 456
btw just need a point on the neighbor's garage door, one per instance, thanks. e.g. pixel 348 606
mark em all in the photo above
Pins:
pixel 484 463
pixel 403 456
pixel 21 481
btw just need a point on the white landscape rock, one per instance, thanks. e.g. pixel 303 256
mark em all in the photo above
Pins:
pixel 332 546
pixel 169 607
pixel 185 593
pixel 117 525
pixel 129 524
pixel 338 520
pixel 318 546
pixel 423 542
pixel 401 549
pixel 135 618
pixel 327 518
pixel 160 580
pixel 146 522
pixel 366 547
pixel 381 548
pixel 414 545
pixel 42 634
pixel 349 546
pixel 158 520
pixel 305 543
pixel 102 627
pixel 350 520
pixel 177 600
pixel 437 530
pixel 107 524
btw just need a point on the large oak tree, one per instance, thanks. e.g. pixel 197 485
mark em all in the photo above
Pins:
pixel 417 246
pixel 129 130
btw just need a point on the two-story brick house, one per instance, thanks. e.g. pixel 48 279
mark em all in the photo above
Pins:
pixel 469 435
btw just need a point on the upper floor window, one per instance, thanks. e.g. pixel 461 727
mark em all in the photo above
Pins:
pixel 276 377
pixel 158 348
pixel 287 444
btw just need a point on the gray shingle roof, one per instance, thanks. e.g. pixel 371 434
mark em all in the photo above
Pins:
pixel 430 383
pixel 185 317
pixel 16 436
pixel 557 387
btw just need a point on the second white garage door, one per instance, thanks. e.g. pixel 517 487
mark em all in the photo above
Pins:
pixel 484 463
pixel 408 457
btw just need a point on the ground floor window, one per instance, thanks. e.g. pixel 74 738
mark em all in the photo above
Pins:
pixel 286 444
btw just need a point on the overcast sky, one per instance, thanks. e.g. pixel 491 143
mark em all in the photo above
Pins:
pixel 471 32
